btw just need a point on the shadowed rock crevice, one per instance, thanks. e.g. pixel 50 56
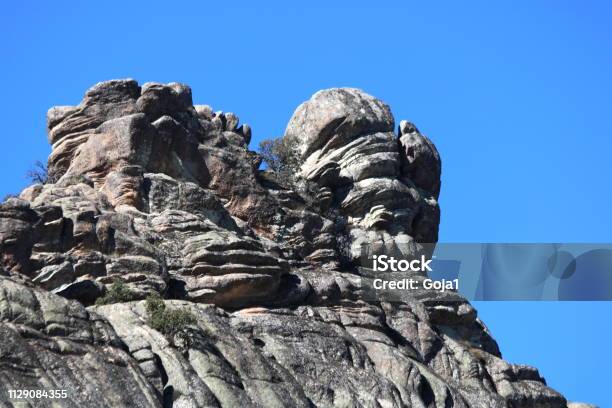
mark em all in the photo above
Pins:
pixel 165 197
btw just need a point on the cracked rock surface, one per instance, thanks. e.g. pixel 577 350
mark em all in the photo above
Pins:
pixel 165 196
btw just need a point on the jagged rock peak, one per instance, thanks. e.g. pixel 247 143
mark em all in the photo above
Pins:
pixel 165 197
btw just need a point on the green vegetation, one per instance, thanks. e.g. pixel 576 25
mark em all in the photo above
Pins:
pixel 170 322
pixel 119 292
pixel 282 156
pixel 38 174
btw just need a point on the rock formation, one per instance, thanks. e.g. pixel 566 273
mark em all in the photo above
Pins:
pixel 166 197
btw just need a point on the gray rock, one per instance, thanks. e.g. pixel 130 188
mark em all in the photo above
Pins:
pixel 85 291
pixel 385 186
pixel 51 343
pixel 337 115
pixel 420 159
pixel 246 131
pixel 53 275
pixel 231 121
pixel 166 197
pixel 204 112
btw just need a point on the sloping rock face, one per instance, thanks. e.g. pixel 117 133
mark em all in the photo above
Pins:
pixel 165 197
pixel 51 343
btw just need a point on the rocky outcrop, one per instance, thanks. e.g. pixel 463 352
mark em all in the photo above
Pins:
pixel 166 197
pixel 384 186
pixel 50 343
pixel 134 200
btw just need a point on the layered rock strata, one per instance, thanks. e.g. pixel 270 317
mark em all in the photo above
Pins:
pixel 166 197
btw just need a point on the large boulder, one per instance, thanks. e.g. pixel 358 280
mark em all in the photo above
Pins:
pixel 385 185
pixel 337 116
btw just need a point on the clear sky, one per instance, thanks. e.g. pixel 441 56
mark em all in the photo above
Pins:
pixel 517 96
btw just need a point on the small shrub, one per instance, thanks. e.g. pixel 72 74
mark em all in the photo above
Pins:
pixel 119 292
pixel 282 156
pixel 38 174
pixel 170 322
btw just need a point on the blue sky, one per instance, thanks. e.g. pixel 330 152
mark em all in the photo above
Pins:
pixel 517 96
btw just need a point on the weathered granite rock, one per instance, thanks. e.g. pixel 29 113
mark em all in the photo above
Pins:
pixel 166 197
pixel 132 201
pixel 343 355
pixel 384 186
pixel 50 343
